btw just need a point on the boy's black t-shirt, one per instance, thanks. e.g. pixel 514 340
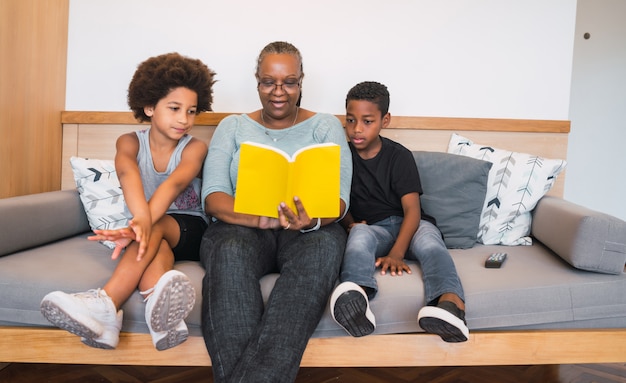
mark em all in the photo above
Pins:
pixel 379 183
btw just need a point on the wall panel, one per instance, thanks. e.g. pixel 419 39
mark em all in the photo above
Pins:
pixel 33 58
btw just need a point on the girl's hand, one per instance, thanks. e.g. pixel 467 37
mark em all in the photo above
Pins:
pixel 142 227
pixel 121 237
pixel 112 235
pixel 120 245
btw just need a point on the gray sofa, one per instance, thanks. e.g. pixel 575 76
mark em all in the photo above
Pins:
pixel 44 247
pixel 571 277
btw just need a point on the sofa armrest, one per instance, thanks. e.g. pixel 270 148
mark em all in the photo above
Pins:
pixel 35 219
pixel 586 239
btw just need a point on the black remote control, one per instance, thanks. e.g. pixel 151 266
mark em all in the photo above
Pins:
pixel 495 260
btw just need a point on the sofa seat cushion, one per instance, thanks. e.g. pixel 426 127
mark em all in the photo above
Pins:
pixel 534 288
pixel 70 265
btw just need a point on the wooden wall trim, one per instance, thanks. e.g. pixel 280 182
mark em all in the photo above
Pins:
pixel 93 135
pixel 480 124
pixel 127 118
pixel 397 122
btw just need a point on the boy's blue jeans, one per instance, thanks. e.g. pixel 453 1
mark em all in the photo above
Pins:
pixel 368 242
pixel 250 341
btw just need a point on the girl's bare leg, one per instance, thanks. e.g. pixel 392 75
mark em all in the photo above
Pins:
pixel 130 273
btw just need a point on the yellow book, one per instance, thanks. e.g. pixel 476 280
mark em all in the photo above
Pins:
pixel 268 176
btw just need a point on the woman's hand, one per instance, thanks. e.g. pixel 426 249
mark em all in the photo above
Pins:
pixel 292 221
pixel 269 223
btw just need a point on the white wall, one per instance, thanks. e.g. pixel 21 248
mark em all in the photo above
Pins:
pixel 480 58
pixel 455 58
pixel 596 175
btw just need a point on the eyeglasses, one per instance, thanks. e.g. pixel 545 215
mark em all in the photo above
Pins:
pixel 269 86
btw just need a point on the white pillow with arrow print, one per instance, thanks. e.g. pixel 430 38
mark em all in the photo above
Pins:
pixel 100 194
pixel 516 182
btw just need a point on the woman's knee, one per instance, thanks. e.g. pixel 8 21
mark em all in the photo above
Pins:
pixel 319 249
pixel 230 246
pixel 334 239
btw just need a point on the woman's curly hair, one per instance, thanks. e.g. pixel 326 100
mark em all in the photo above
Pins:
pixel 156 77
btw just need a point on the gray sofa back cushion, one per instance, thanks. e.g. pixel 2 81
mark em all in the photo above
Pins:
pixel 586 239
pixel 454 189
pixel 24 226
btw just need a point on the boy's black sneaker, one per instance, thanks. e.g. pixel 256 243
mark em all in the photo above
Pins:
pixel 445 320
pixel 350 308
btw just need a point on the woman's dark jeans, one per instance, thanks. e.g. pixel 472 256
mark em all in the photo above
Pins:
pixel 250 341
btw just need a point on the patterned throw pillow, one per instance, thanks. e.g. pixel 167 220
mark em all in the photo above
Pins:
pixel 100 193
pixel 517 181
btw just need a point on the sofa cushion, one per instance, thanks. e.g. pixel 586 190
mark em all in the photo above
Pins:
pixel 100 193
pixel 516 182
pixel 454 192
pixel 24 226
pixel 586 239
pixel 534 288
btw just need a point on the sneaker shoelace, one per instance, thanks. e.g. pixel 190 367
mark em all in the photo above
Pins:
pixel 147 294
pixel 92 293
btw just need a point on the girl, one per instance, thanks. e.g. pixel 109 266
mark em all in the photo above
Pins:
pixel 158 169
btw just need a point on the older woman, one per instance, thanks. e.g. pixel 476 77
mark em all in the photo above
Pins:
pixel 247 340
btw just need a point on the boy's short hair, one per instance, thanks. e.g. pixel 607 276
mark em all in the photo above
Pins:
pixel 156 77
pixel 370 91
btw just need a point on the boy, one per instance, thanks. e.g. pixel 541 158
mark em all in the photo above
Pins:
pixel 158 169
pixel 386 224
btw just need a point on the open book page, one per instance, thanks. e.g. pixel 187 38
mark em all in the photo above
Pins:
pixel 268 176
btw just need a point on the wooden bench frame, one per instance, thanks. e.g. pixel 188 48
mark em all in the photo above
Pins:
pixel 91 134
pixel 528 347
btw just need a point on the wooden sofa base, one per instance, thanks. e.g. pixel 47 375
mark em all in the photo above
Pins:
pixel 45 345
